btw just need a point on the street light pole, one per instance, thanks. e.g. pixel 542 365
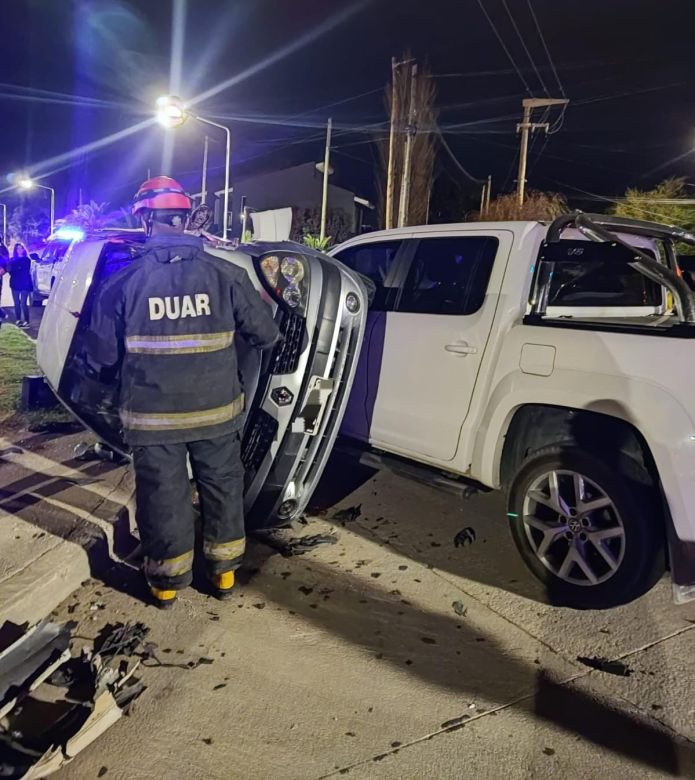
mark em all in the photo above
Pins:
pixel 4 222
pixel 204 183
pixel 171 112
pixel 28 183
pixel 227 163
pixel 326 173
pixel 53 203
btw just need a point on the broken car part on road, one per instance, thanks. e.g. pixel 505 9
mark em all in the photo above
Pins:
pixel 54 704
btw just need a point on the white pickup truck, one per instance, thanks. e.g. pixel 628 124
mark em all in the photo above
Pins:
pixel 551 361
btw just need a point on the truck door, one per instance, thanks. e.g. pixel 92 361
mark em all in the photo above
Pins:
pixel 435 339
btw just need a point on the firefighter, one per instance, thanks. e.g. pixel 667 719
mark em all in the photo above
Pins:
pixel 166 323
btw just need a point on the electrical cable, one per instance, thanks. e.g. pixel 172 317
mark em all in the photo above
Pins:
pixel 545 46
pixel 457 162
pixel 525 47
pixel 506 50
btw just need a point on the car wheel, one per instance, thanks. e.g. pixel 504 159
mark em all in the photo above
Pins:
pixel 589 527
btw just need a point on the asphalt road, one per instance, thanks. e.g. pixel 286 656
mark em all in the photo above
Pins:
pixel 395 654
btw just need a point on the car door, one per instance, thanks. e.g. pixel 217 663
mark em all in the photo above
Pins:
pixel 435 339
pixel 382 262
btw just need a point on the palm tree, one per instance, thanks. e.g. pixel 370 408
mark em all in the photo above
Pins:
pixel 90 216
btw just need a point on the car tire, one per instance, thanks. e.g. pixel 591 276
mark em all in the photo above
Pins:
pixel 590 527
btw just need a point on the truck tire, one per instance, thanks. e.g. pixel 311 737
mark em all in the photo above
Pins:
pixel 589 527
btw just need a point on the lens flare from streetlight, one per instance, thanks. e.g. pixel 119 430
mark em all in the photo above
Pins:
pixel 170 111
pixel 25 183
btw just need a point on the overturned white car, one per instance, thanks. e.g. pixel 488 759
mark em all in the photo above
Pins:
pixel 296 393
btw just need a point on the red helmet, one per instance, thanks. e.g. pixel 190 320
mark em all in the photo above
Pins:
pixel 161 193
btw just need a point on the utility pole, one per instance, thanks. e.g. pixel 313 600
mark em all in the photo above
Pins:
pixel 524 127
pixel 487 194
pixel 326 166
pixel 390 178
pixel 411 131
pixel 483 199
pixel 204 182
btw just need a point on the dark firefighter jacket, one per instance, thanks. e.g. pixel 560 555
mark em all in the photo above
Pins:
pixel 169 320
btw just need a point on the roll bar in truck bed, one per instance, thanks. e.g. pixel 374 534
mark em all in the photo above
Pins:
pixel 605 228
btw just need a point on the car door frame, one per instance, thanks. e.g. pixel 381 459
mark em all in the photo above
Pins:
pixel 505 238
pixel 366 373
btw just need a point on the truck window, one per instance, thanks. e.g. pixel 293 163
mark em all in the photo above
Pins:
pixel 374 261
pixel 449 275
pixel 600 277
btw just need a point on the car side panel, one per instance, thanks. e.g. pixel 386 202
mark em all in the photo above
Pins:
pixel 644 380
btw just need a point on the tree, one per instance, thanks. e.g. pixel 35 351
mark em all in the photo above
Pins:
pixel 28 225
pixel 424 146
pixel 536 205
pixel 649 205
pixel 89 216
pixel 308 222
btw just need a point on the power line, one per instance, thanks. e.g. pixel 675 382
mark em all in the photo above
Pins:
pixel 523 43
pixel 545 46
pixel 506 50
pixel 456 161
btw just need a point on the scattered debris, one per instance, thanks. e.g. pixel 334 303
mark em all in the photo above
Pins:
pixel 604 665
pixel 464 536
pixel 287 546
pixel 27 657
pixel 548 751
pixel 459 608
pixel 428 640
pixel 55 704
pixel 449 724
pixel 305 589
pixel 347 515
pixel 84 450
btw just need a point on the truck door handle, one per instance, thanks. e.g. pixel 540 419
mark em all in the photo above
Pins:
pixel 461 348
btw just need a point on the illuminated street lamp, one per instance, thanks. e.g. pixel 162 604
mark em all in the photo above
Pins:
pixel 171 113
pixel 26 183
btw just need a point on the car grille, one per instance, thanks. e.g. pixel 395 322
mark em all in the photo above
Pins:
pixel 287 353
pixel 257 440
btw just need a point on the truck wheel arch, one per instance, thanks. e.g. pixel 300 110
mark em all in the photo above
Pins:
pixel 535 426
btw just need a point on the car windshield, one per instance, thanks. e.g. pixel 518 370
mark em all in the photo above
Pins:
pixel 55 251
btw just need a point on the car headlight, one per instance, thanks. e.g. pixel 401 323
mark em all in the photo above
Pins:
pixel 286 277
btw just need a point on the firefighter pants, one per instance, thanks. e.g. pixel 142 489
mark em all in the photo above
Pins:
pixel 164 507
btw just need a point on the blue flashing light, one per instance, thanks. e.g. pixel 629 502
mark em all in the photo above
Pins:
pixel 69 234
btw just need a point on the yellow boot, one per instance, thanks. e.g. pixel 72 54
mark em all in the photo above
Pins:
pixel 223 584
pixel 164 599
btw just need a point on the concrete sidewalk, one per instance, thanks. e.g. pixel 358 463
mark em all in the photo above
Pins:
pixel 60 521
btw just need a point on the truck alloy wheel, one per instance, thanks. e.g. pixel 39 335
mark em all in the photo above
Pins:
pixel 588 527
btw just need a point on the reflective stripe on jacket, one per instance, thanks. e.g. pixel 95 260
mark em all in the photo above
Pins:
pixel 169 320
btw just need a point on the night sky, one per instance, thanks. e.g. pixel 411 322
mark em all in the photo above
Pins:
pixel 76 71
